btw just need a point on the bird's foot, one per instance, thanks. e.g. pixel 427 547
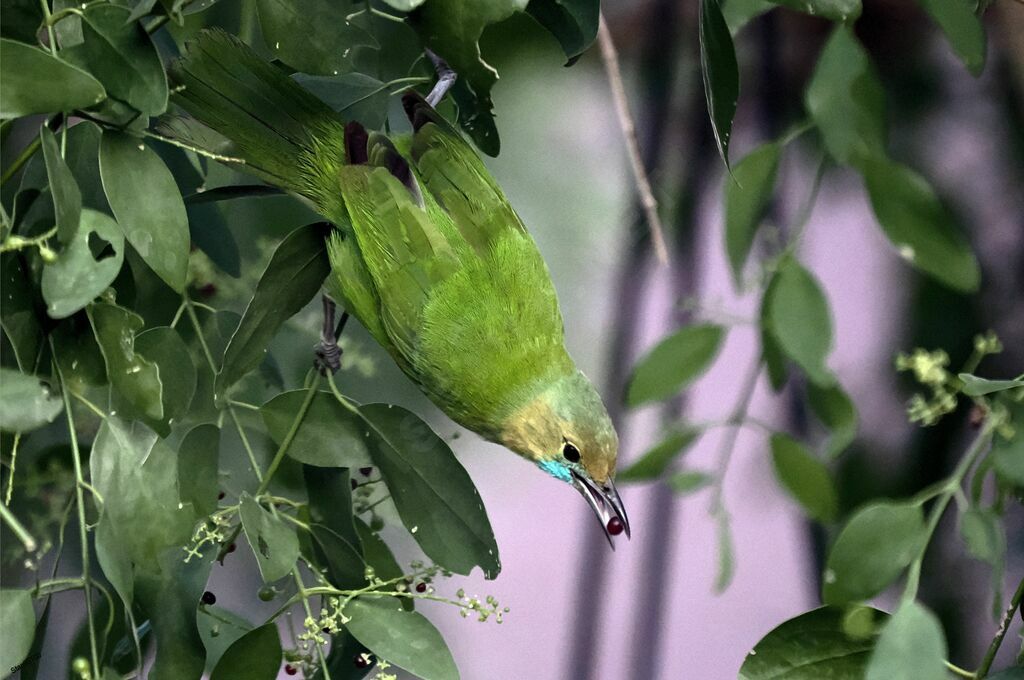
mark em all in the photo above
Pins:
pixel 328 356
pixel 446 77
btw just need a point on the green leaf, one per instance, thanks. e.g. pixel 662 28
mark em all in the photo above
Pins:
pixel 330 435
pixel 148 207
pixel 798 318
pixel 134 377
pixel 572 22
pixel 26 402
pixel 254 656
pixel 356 96
pixel 312 36
pixel 217 329
pixel 18 311
pixel 674 363
pixel 1012 673
pixel 24 68
pixel 406 639
pixel 123 57
pixel 294 275
pixel 22 19
pixel 804 477
pixel 165 348
pixel 872 550
pixel 983 533
pixel 811 646
pixel 738 13
pixel 720 73
pixel 377 553
pixel 919 226
pixel 726 562
pixel 910 647
pixel 656 460
pixel 19 627
pixel 978 387
pixel 746 200
pixel 273 542
pixel 219 628
pixel 845 11
pixel 85 268
pixel 836 411
pixel 434 495
pixel 1008 453
pixel 331 521
pixel 963 29
pixel 198 456
pixel 689 481
pixel 772 356
pixel 846 100
pixel 67 199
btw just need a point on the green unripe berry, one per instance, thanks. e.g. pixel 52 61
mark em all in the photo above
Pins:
pixel 267 593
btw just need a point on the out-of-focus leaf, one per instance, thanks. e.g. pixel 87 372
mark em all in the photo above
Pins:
pixel 738 13
pixel 656 460
pixel 434 495
pixel 273 542
pixel 230 192
pixel 804 477
pixel 746 199
pixel 147 205
pixel 19 627
pixel 23 68
pixel 219 628
pixel 22 19
pixel 217 329
pixel 846 100
pixel 18 311
pixel 811 646
pixel 977 387
pixel 798 318
pixel 726 563
pixel 689 481
pixel 312 36
pixel 911 647
pixel 984 535
pixel 918 225
pixel 254 656
pixel 198 455
pixel 329 436
pixel 572 22
pixel 720 72
pixel 674 363
pixel 963 29
pixel 134 377
pixel 845 11
pixel 165 348
pixel 836 411
pixel 86 267
pixel 26 402
pixel 872 550
pixel 356 96
pixel 406 639
pixel 296 271
pixel 1008 452
pixel 67 199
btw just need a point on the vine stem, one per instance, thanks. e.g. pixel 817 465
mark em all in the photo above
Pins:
pixel 610 58
pixel 290 436
pixel 1004 625
pixel 309 613
pixel 19 530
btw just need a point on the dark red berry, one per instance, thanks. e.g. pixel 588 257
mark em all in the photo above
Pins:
pixel 208 290
pixel 220 496
pixel 362 661
pixel 421 587
pixel 290 669
pixel 209 598
pixel 365 472
pixel 232 548
pixel 615 526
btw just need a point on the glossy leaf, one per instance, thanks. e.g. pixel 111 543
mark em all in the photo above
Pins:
pixel 254 656
pixel 833 407
pixel 198 455
pixel 312 36
pixel 656 460
pixel 799 320
pixel 356 96
pixel 846 100
pixel 978 387
pixel 846 11
pixel 23 68
pixel 294 275
pixel 67 199
pixel 804 477
pixel 434 495
pixel 165 348
pixel 219 628
pixel 746 200
pixel 911 647
pixel 962 25
pixel 874 547
pixel 273 542
pixel 720 73
pixel 86 266
pixel 674 363
pixel 19 627
pixel 145 200
pixel 329 436
pixel 811 646
pixel 919 226
pixel 26 402
pixel 572 22
pixel 689 481
pixel 406 639
pixel 134 377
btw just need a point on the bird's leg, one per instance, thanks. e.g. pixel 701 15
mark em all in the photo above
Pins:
pixel 445 78
pixel 328 353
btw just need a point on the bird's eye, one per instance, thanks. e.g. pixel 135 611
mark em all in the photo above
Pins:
pixel 571 453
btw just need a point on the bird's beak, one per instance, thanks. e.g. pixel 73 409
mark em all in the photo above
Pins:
pixel 603 500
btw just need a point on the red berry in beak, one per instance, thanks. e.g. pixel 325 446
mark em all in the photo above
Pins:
pixel 615 526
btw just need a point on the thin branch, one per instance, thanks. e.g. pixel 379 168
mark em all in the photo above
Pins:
pixel 19 530
pixel 1004 624
pixel 643 186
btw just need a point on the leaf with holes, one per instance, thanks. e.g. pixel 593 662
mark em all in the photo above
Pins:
pixel 273 542
pixel 85 268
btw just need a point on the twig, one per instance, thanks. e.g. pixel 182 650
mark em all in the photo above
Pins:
pixel 643 186
pixel 1004 624
pixel 19 530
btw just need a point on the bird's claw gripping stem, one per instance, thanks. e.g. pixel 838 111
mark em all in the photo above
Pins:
pixel 328 353
pixel 445 78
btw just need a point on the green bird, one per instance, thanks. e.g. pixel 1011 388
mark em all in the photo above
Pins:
pixel 427 253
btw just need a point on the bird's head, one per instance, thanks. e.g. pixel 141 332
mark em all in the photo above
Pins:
pixel 566 431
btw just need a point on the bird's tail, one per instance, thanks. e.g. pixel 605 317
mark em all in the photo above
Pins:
pixel 252 111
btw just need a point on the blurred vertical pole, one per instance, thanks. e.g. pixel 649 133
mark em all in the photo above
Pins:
pixel 657 62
